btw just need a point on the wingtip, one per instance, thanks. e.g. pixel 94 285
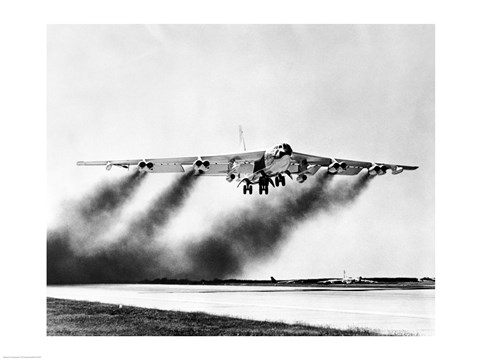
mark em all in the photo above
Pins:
pixel 409 167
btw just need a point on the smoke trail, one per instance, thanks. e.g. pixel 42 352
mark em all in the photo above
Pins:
pixel 258 232
pixel 110 196
pixel 161 210
pixel 87 218
pixel 135 255
pixel 238 238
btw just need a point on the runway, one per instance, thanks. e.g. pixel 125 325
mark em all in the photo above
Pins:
pixel 387 310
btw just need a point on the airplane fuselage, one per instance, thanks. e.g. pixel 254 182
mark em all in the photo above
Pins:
pixel 275 161
pixel 276 167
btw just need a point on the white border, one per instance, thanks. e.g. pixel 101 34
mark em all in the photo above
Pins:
pixel 23 118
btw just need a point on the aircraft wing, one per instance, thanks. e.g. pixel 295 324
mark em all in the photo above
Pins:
pixel 218 163
pixel 350 167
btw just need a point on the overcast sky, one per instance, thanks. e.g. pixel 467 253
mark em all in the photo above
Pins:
pixel 355 92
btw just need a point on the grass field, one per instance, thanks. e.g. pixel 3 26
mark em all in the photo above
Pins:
pixel 82 318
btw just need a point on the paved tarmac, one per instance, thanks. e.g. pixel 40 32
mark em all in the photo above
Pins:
pixel 386 310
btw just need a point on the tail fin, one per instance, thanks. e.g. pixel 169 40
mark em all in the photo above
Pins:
pixel 273 279
pixel 242 139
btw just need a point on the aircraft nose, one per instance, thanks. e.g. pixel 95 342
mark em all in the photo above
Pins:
pixel 283 153
pixel 283 150
pixel 287 150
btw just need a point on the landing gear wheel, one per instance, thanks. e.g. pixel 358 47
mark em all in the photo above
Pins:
pixel 250 189
pixel 244 189
pixel 279 180
pixel 260 189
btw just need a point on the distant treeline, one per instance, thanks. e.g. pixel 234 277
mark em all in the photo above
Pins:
pixel 202 282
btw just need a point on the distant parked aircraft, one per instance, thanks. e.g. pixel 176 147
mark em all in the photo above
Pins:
pixel 346 280
pixel 281 282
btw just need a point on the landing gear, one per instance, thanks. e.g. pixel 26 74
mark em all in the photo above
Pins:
pixel 247 188
pixel 279 179
pixel 263 186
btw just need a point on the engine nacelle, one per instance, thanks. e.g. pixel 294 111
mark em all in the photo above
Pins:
pixel 142 165
pixel 336 167
pixel 376 169
pixel 109 166
pixel 200 166
pixel 145 165
pixel 301 178
pixel 230 177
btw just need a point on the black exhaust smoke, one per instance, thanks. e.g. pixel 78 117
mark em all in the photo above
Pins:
pixel 143 228
pixel 109 197
pixel 235 240
pixel 135 255
pixel 258 231
pixel 83 221
pixel 87 218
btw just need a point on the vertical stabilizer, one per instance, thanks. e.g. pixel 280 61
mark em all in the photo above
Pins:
pixel 242 139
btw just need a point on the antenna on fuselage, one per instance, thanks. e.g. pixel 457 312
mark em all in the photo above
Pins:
pixel 242 139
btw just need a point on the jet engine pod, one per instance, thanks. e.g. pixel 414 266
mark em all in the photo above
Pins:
pixel 373 170
pixel 142 165
pixel 230 177
pixel 200 166
pixel 336 167
pixel 301 178
pixel 376 169
pixel 383 169
pixel 109 166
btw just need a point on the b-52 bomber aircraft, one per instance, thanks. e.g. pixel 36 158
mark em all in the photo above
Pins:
pixel 267 167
